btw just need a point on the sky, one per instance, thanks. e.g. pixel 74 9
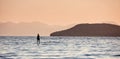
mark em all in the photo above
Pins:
pixel 21 17
pixel 60 12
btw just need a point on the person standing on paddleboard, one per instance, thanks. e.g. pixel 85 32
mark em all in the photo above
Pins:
pixel 38 39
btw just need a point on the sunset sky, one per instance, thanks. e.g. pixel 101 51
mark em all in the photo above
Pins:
pixel 60 12
pixel 29 17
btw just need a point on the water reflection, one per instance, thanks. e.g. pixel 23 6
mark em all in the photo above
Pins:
pixel 60 48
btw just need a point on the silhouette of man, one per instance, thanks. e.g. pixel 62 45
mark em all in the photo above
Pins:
pixel 38 39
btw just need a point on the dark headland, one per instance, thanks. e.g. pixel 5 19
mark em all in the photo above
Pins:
pixel 90 30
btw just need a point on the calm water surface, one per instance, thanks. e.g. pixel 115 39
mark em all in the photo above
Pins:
pixel 25 47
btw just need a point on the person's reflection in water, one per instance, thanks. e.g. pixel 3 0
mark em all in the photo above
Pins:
pixel 38 39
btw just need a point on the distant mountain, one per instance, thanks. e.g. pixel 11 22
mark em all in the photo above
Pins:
pixel 27 29
pixel 90 30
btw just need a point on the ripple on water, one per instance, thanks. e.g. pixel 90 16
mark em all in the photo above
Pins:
pixel 59 48
pixel 117 55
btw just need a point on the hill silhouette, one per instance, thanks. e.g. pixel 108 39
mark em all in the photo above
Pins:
pixel 27 29
pixel 90 30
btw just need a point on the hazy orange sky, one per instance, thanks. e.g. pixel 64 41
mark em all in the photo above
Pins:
pixel 60 12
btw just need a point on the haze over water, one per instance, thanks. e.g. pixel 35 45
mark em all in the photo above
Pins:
pixel 25 47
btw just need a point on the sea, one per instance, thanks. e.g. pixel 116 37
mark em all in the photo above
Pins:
pixel 59 47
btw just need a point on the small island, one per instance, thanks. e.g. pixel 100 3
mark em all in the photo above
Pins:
pixel 90 30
